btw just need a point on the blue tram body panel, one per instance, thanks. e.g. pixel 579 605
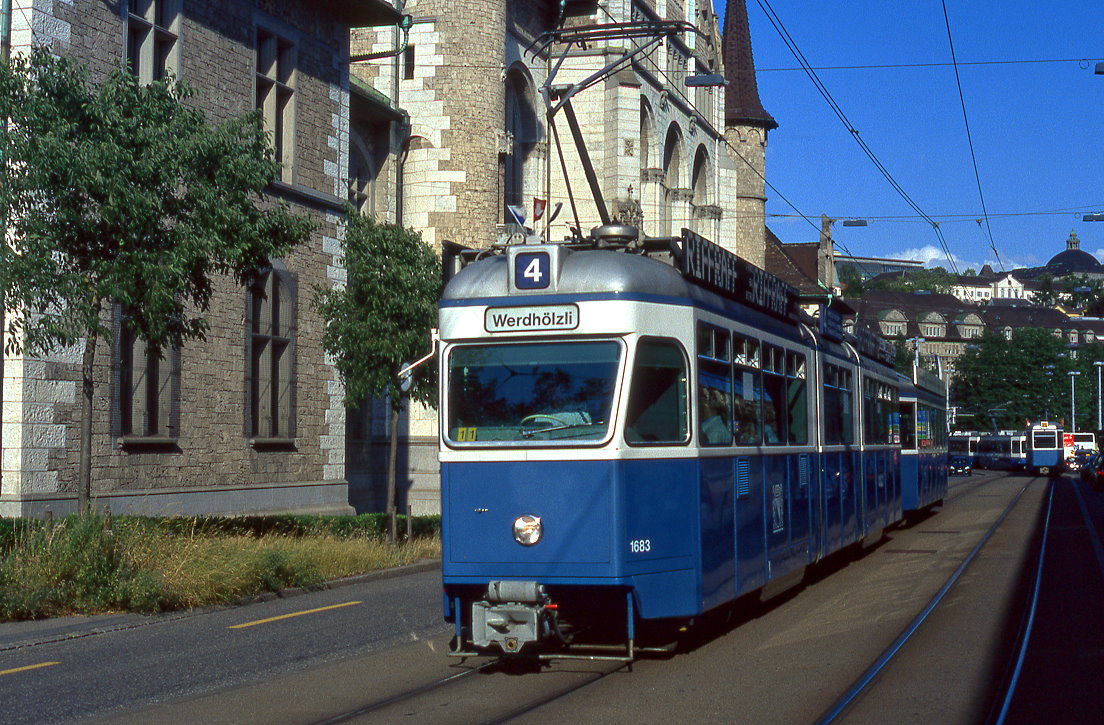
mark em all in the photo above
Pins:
pixel 717 507
pixel 592 512
pixel 910 471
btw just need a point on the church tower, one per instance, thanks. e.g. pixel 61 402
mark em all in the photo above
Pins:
pixel 746 127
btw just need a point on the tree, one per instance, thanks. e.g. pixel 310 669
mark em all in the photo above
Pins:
pixel 124 194
pixel 1047 295
pixel 381 319
pixel 852 282
pixel 936 279
pixel 1025 378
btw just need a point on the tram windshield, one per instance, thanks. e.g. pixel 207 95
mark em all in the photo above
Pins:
pixel 532 392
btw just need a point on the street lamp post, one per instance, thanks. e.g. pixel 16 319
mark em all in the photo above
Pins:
pixel 1098 364
pixel 1073 400
pixel 916 350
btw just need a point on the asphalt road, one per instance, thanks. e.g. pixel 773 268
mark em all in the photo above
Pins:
pixel 354 647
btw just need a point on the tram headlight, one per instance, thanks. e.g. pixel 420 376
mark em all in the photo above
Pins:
pixel 528 529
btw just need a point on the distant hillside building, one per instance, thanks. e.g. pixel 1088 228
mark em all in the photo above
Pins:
pixel 868 267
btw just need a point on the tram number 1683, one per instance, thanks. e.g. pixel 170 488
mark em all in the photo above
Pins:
pixel 640 546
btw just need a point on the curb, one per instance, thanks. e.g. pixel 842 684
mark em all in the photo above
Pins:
pixel 378 575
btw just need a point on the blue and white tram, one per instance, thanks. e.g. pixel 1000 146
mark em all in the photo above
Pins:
pixel 964 444
pixel 622 440
pixel 924 449
pixel 1045 450
pixel 1005 450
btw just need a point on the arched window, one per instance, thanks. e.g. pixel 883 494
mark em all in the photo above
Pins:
pixel 647 135
pixel 363 172
pixel 522 135
pixel 700 179
pixel 672 173
pixel 702 191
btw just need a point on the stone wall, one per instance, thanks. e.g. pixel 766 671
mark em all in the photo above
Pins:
pixel 212 468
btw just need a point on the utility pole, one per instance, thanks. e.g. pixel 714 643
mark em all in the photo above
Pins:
pixel 1073 400
pixel 1098 364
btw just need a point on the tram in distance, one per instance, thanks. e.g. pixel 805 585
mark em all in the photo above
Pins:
pixel 1037 449
pixel 964 444
pixel 633 431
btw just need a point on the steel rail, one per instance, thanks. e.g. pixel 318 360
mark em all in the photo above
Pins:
pixel 884 659
pixel 552 697
pixel 1026 638
pixel 1093 536
pixel 402 697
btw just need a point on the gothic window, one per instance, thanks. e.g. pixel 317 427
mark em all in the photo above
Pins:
pixel 153 38
pixel 147 389
pixel 672 165
pixel 700 186
pixel 522 134
pixel 275 98
pixel 363 173
pixel 270 355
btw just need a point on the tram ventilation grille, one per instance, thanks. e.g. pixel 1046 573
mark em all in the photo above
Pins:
pixel 803 470
pixel 743 477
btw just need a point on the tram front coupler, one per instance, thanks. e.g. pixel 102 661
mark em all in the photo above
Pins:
pixel 511 615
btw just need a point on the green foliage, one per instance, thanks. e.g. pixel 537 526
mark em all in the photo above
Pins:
pixel 145 564
pixel 382 317
pixel 905 356
pixel 126 193
pixel 851 280
pixel 1004 383
pixel 373 525
pixel 1076 291
pixel 936 279
pixel 75 566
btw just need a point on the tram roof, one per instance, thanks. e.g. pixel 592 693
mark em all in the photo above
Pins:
pixel 585 271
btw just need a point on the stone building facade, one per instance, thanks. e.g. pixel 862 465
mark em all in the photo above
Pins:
pixel 667 156
pixel 252 419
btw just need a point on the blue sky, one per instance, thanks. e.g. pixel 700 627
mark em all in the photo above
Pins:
pixel 1037 127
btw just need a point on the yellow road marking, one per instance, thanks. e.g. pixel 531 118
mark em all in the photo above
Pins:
pixel 287 616
pixel 28 667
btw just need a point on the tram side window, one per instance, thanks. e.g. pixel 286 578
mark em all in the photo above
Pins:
pixel 837 416
pixel 714 387
pixel 908 426
pixel 747 393
pixel 877 403
pixel 774 400
pixel 797 406
pixel 657 410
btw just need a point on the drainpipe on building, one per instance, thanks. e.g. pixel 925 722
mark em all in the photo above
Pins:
pixel 5 56
pixel 403 130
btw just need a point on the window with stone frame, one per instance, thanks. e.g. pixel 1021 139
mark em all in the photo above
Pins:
pixel 522 129
pixel 270 356
pixel 153 38
pixel 276 80
pixel 147 387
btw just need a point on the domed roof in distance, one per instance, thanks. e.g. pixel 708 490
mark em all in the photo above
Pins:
pixel 1073 261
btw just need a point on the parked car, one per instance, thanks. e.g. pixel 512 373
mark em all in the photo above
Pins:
pixel 1092 473
pixel 961 466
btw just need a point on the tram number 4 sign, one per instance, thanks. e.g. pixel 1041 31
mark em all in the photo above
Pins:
pixel 532 270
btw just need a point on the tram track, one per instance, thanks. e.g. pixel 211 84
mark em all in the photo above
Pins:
pixel 867 680
pixel 437 701
pixel 1089 567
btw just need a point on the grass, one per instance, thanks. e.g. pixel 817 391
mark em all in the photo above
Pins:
pixel 92 565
